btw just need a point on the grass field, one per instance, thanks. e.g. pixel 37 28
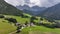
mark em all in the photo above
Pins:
pixel 6 28
pixel 40 30
pixel 19 19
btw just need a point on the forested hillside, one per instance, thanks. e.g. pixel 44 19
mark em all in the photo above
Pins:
pixel 5 8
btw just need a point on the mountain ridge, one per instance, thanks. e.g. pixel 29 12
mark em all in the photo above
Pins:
pixel 52 12
pixel 31 10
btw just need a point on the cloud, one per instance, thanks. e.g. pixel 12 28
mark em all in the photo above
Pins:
pixel 15 2
pixel 31 3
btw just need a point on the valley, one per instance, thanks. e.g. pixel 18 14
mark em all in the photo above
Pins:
pixel 47 20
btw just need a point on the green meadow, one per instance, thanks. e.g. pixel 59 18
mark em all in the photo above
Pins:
pixel 6 28
pixel 40 30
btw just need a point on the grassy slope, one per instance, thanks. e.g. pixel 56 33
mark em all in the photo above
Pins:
pixel 19 19
pixel 40 30
pixel 5 27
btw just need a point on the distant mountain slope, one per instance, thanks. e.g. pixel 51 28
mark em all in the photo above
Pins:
pixel 31 10
pixel 5 8
pixel 52 12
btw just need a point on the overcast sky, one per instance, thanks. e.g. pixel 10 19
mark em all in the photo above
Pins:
pixel 31 3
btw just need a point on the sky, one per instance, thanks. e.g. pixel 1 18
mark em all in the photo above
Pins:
pixel 31 3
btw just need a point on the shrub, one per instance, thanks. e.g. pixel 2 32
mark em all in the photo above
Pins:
pixel 11 20
pixel 1 16
pixel 41 19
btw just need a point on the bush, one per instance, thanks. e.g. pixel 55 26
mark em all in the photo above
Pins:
pixel 49 25
pixel 1 16
pixel 33 18
pixel 11 20
pixel 41 19
pixel 57 24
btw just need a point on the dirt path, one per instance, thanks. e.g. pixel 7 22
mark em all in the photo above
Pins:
pixel 13 32
pixel 16 31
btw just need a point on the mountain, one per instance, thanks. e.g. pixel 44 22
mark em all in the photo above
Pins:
pixel 6 8
pixel 31 3
pixel 52 12
pixel 31 10
pixel 32 7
